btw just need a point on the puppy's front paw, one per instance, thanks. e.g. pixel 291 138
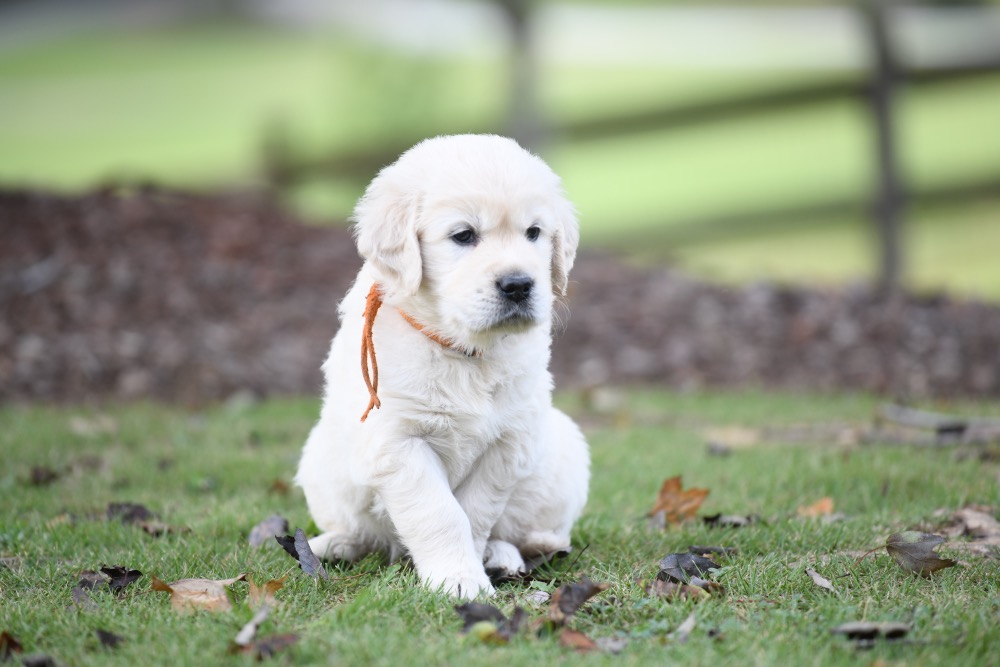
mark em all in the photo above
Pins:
pixel 502 560
pixel 467 587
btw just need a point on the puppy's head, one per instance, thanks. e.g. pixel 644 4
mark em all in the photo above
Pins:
pixel 471 232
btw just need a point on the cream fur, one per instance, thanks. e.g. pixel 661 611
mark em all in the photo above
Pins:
pixel 466 466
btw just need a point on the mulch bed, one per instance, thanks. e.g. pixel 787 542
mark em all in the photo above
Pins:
pixel 135 293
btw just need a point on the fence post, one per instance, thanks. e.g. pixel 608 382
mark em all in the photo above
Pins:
pixel 889 202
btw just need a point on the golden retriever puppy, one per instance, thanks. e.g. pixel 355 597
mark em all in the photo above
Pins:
pixel 437 437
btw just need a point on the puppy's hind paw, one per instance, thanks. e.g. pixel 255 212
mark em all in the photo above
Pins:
pixel 502 560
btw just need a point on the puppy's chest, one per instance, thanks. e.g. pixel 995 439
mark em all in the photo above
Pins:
pixel 462 422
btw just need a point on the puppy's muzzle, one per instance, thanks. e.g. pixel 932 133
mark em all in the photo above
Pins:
pixel 515 287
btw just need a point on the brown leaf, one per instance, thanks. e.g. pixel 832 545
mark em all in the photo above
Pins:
pixel 576 640
pixel 728 520
pixel 280 487
pixel 9 645
pixel 820 580
pixel 914 552
pixel 568 599
pixel 108 639
pixel 208 594
pixel 822 507
pixel 864 631
pixel 42 476
pixel 673 590
pixel 265 595
pixel 119 577
pixel 674 504
pixel 268 529
pixel 129 513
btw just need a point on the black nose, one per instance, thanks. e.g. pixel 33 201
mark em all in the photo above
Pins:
pixel 516 287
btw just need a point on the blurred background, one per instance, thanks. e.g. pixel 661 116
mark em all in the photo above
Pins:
pixel 818 142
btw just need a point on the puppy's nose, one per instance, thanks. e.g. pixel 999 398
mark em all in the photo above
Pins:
pixel 516 286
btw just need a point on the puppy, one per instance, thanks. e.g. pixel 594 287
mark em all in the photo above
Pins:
pixel 439 439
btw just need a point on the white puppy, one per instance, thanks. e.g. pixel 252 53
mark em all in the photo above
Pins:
pixel 438 439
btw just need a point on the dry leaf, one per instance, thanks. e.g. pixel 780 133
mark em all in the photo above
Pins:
pixel 864 631
pixel 487 623
pixel 728 520
pixel 914 552
pixel 42 476
pixel 265 595
pixel 733 436
pixel 822 507
pixel 119 578
pixel 129 512
pixel 820 580
pixel 568 599
pixel 9 645
pixel 108 639
pixel 674 504
pixel 270 527
pixel 298 548
pixel 577 641
pixel 673 590
pixel 681 567
pixel 188 594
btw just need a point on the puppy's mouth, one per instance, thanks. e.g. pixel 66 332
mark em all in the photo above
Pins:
pixel 513 316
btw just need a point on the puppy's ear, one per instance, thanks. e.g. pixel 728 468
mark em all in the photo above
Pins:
pixel 386 234
pixel 564 244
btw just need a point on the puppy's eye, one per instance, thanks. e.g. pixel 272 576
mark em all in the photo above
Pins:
pixel 464 237
pixel 533 232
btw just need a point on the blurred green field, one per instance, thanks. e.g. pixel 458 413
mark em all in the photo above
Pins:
pixel 191 104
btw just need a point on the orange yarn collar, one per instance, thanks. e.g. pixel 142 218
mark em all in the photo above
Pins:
pixel 372 303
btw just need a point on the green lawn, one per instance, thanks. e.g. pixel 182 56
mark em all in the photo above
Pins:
pixel 190 105
pixel 211 473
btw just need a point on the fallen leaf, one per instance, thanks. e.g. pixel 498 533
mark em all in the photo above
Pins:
pixel 914 552
pixel 279 487
pixel 487 623
pixel 568 599
pixel 674 504
pixel 120 577
pixel 9 645
pixel 863 631
pixel 975 522
pixel 248 632
pixel 90 579
pixel 42 476
pixel 820 580
pixel 576 640
pixel 538 597
pixel 81 599
pixel 728 520
pixel 298 548
pixel 822 507
pixel 272 526
pixel 674 590
pixel 208 594
pixel 733 436
pixel 38 660
pixel 682 566
pixel 265 595
pixel 129 513
pixel 683 631
pixel 108 639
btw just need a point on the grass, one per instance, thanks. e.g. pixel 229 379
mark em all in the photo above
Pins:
pixel 212 472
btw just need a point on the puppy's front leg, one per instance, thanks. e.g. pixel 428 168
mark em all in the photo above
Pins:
pixel 483 495
pixel 413 487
